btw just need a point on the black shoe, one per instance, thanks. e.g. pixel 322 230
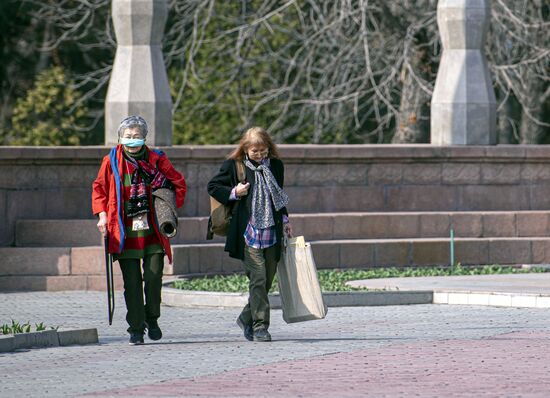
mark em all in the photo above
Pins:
pixel 262 334
pixel 153 330
pixel 136 338
pixel 247 329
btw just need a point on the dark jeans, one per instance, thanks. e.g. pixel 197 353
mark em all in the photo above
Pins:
pixel 260 267
pixel 139 312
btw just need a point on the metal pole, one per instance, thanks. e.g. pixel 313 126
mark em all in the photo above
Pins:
pixel 452 249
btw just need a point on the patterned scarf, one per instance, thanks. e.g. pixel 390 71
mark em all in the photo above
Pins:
pixel 266 190
pixel 144 173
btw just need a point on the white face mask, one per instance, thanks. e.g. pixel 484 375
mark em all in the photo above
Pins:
pixel 132 142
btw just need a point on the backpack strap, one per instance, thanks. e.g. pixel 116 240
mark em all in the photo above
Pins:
pixel 241 175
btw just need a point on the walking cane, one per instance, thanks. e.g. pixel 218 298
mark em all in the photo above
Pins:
pixel 110 284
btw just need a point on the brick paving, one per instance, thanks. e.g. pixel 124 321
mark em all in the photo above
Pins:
pixel 441 368
pixel 394 351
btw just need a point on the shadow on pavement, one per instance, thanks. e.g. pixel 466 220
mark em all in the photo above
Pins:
pixel 243 341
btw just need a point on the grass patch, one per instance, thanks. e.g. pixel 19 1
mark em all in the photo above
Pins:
pixel 17 327
pixel 334 280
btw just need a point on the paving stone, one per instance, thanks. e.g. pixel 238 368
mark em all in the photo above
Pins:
pixel 90 261
pixel 533 223
pixel 46 338
pixel 35 261
pixel 494 173
pixel 541 251
pixel 421 198
pixel 360 255
pixel 499 224
pixel 539 197
pixel 394 351
pixel 442 368
pixel 460 173
pixel 434 225
pixel 99 282
pixel 430 252
pixel 471 251
pixel 391 225
pixel 42 283
pixel 391 253
pixel 510 251
pixel 65 233
pixel 318 227
pixel 360 239
pixel 421 174
pixel 467 224
pixel 503 197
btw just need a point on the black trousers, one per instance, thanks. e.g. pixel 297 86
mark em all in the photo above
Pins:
pixel 136 283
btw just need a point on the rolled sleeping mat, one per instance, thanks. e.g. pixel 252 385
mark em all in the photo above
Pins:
pixel 165 210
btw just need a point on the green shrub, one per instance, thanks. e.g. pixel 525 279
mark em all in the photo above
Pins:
pixel 335 280
pixel 45 116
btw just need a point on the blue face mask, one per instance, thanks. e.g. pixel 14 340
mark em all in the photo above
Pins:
pixel 132 142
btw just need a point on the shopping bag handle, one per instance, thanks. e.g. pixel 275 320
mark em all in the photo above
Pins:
pixel 299 241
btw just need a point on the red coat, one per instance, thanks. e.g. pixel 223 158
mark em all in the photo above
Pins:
pixel 107 194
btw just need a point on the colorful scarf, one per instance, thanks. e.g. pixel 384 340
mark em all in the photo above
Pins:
pixel 144 174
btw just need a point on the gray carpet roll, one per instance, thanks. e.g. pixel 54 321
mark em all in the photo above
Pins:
pixel 165 210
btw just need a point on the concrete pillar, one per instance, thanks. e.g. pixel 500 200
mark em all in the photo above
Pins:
pixel 139 84
pixel 463 110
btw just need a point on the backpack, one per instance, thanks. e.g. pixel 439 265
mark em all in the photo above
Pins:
pixel 220 215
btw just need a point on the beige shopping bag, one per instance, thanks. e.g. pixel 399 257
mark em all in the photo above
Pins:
pixel 301 296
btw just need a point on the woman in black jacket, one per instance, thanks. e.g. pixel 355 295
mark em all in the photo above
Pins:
pixel 259 219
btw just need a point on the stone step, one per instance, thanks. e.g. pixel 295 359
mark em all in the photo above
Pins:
pixel 374 253
pixel 57 233
pixel 54 269
pixel 318 226
pixel 48 261
pixel 18 283
pixel 84 267
pixel 76 233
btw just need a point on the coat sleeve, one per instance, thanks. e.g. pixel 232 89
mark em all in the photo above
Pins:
pixel 165 167
pixel 100 187
pixel 222 183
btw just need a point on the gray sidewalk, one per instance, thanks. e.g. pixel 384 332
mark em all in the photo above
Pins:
pixel 501 290
pixel 424 350
pixel 529 283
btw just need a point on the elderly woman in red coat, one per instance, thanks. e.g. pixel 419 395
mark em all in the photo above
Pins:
pixel 121 198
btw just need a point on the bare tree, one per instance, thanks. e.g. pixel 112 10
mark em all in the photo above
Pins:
pixel 347 71
pixel 519 58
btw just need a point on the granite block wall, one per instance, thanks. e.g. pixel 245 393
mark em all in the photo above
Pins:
pixel 55 182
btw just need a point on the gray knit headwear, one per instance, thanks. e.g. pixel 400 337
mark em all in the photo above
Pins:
pixel 132 122
pixel 266 190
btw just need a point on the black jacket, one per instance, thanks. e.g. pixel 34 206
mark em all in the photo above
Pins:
pixel 220 187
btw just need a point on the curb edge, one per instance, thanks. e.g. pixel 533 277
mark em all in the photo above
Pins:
pixel 48 338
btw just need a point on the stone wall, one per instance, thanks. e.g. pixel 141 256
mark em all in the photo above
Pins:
pixel 55 183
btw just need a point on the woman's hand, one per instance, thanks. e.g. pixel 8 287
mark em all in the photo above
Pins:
pixel 287 228
pixel 242 189
pixel 102 223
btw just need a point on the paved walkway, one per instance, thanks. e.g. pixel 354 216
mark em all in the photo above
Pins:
pixel 506 290
pixel 532 283
pixel 393 351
